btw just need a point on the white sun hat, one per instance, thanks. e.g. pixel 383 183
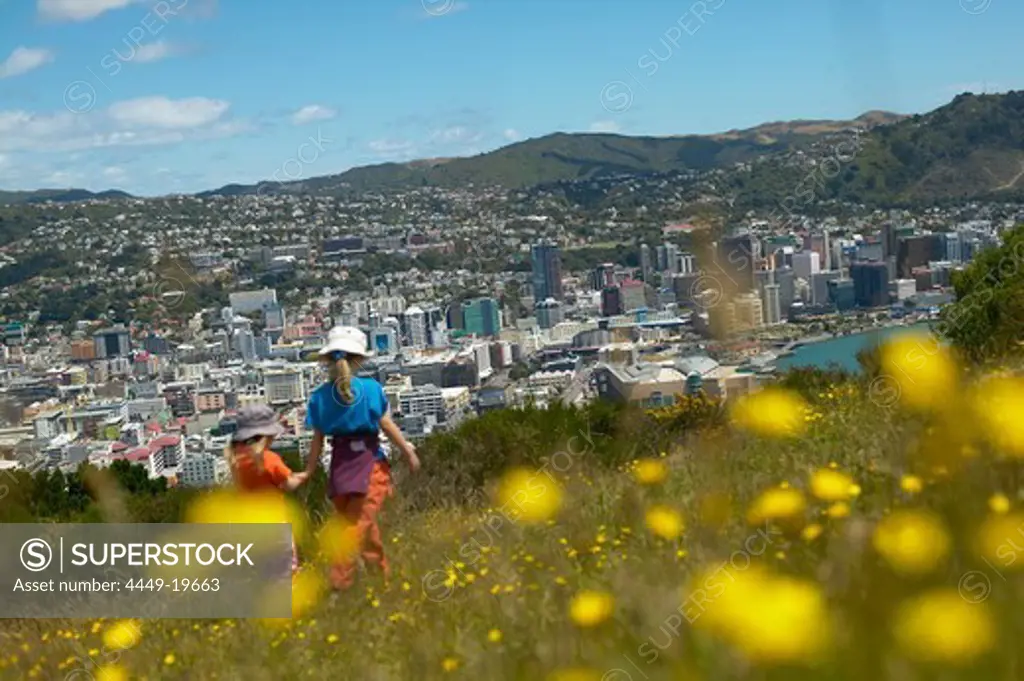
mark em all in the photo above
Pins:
pixel 347 339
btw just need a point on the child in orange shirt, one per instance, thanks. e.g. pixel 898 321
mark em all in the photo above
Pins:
pixel 253 465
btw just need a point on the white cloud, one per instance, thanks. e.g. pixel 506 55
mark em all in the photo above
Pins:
pixel 79 10
pixel 389 146
pixel 23 60
pixel 155 52
pixel 512 135
pixel 313 112
pixel 457 134
pixel 161 112
pixel 140 122
pixel 605 126
pixel 114 173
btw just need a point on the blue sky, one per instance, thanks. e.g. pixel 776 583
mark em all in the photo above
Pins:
pixel 164 96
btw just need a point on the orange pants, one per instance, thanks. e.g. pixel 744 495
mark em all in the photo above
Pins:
pixel 361 510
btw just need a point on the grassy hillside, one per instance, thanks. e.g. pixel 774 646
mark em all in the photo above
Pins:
pixel 972 147
pixel 564 156
pixel 795 542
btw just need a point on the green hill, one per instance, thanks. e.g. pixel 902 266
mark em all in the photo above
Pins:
pixel 972 147
pixel 564 156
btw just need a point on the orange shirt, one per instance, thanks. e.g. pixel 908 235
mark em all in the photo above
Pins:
pixel 275 471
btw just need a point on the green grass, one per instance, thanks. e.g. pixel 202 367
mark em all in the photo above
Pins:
pixel 522 585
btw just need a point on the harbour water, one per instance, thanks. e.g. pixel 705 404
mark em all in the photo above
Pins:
pixel 842 350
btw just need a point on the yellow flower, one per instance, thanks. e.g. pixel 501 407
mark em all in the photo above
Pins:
pixel 831 485
pixel 591 608
pixel 771 619
pixel 111 672
pixel 912 542
pixel 911 484
pixel 772 412
pixel 650 472
pixel 664 522
pixel 779 504
pixel 998 404
pixel 169 659
pixel 450 664
pixel 529 497
pixel 122 635
pixel 840 509
pixel 940 626
pixel 999 503
pixel 923 369
pixel 811 532
pixel 1001 538
pixel 494 635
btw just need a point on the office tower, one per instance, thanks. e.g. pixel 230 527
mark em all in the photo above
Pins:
pixel 951 250
pixel 806 264
pixel 604 275
pixel 611 301
pixel 841 294
pixel 870 284
pixel 548 313
pixel 481 316
pixel 273 316
pixel 634 295
pixel 914 251
pixel 687 263
pixel 889 239
pixel 819 287
pixel 645 263
pixel 246 302
pixel 112 342
pixel 819 243
pixel 772 304
pixel 787 289
pixel 414 327
pixel 737 257
pixel 671 259
pixel 547 272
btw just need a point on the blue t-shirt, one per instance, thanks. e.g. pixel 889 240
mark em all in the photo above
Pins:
pixel 327 412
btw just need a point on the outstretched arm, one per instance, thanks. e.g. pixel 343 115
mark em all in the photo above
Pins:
pixel 394 434
pixel 316 448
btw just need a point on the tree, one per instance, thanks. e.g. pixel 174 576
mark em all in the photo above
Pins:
pixel 986 323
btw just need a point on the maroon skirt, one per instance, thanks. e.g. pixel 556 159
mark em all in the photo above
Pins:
pixel 352 459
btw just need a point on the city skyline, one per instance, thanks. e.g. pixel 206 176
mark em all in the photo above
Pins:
pixel 171 96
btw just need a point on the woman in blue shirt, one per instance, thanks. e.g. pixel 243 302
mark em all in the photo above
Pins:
pixel 353 411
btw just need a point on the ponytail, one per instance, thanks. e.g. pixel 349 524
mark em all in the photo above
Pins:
pixel 344 381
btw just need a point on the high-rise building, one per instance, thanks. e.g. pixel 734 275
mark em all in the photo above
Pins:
pixel 481 317
pixel 547 272
pixel 819 287
pixel 611 301
pixel 806 264
pixel 112 342
pixel 687 263
pixel 645 264
pixel 634 295
pixel 870 283
pixel 772 304
pixel 273 316
pixel 737 257
pixel 914 251
pixel 284 386
pixel 414 327
pixel 549 313
pixel 841 294
pixel 246 302
pixel 604 275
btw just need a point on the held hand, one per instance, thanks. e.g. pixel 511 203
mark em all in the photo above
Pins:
pixel 410 456
pixel 301 478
